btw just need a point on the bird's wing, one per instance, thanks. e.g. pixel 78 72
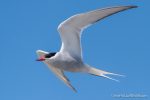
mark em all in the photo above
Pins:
pixel 60 74
pixel 70 30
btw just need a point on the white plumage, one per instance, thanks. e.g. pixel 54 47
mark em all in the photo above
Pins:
pixel 69 58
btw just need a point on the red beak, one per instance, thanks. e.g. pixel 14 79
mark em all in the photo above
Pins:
pixel 41 59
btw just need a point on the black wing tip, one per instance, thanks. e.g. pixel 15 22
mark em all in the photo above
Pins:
pixel 127 6
pixel 74 89
pixel 133 6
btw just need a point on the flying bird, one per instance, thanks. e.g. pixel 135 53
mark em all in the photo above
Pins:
pixel 69 58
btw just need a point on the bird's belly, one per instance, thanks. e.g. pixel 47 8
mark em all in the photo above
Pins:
pixel 69 66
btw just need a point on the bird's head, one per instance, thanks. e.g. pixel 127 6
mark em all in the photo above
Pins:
pixel 44 55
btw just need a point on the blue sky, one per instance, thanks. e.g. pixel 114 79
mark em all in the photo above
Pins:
pixel 119 44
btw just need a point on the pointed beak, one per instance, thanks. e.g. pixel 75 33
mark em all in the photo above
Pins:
pixel 40 59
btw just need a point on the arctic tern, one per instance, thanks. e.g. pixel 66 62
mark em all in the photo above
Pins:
pixel 69 58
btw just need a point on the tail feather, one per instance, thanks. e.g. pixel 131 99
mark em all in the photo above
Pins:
pixel 98 72
pixel 110 78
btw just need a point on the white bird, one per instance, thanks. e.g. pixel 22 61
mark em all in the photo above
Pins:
pixel 69 58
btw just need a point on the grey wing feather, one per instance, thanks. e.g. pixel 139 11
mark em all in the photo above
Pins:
pixel 70 30
pixel 60 74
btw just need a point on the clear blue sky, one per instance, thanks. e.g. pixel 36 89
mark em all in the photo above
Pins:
pixel 119 44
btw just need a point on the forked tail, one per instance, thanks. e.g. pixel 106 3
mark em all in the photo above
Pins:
pixel 98 72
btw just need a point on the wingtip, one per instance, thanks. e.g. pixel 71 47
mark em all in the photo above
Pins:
pixel 74 90
pixel 129 6
pixel 134 6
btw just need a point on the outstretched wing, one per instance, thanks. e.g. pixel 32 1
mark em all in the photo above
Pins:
pixel 70 30
pixel 60 74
